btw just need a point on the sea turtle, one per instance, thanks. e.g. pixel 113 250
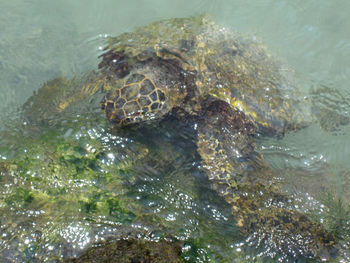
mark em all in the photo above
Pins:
pixel 230 89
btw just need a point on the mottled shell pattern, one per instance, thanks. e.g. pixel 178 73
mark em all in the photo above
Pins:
pixel 171 63
pixel 222 64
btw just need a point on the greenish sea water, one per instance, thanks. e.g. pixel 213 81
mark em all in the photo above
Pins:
pixel 40 40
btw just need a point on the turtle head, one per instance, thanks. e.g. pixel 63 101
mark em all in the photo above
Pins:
pixel 144 85
pixel 137 98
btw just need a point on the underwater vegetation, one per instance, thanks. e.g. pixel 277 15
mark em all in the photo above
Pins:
pixel 153 157
pixel 336 218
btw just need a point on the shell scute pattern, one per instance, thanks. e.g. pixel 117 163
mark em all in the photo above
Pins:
pixel 230 90
pixel 130 103
pixel 147 87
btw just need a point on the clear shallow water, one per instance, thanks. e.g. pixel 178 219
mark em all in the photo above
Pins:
pixel 41 40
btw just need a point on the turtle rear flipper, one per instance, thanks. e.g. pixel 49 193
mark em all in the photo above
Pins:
pixel 226 146
pixel 331 108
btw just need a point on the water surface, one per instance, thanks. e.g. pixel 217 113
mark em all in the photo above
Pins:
pixel 40 40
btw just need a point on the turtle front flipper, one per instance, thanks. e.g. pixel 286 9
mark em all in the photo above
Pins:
pixel 60 95
pixel 226 146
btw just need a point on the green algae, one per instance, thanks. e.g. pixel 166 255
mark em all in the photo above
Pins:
pixel 84 181
pixel 336 217
pixel 95 182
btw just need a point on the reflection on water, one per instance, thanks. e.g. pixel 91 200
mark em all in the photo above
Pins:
pixel 76 182
pixel 69 191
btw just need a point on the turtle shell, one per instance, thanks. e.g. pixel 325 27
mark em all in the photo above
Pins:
pixel 236 69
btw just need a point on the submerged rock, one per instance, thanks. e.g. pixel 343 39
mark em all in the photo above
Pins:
pixel 227 90
pixel 131 251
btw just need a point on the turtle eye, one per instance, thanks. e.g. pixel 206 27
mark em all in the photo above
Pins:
pixel 114 64
pixel 139 99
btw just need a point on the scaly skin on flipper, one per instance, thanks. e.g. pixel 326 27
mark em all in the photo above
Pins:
pixel 232 89
pixel 227 150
